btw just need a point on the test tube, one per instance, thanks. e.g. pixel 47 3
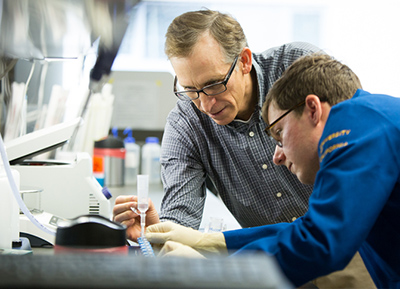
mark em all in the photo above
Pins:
pixel 143 198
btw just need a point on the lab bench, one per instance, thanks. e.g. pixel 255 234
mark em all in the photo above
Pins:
pixel 214 208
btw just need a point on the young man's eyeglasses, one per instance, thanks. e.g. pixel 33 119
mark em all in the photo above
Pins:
pixel 268 128
pixel 212 89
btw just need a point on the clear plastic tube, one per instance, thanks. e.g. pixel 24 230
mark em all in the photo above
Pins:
pixel 143 199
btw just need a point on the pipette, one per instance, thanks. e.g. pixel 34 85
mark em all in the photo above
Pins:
pixel 143 199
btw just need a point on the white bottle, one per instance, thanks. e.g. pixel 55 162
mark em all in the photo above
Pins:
pixel 132 158
pixel 151 166
pixel 9 210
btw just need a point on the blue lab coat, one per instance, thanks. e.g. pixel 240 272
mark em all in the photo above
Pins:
pixel 355 204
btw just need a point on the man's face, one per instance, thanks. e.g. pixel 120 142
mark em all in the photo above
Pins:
pixel 205 66
pixel 299 138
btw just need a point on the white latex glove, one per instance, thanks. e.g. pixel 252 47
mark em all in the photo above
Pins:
pixel 168 231
pixel 175 249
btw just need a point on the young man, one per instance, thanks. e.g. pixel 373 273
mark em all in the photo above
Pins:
pixel 216 130
pixel 349 149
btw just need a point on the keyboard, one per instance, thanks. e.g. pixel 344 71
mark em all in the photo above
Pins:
pixel 136 271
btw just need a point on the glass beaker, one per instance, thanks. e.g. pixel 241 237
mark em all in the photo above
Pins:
pixel 32 197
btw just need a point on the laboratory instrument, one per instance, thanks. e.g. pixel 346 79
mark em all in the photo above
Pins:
pixel 40 33
pixel 14 183
pixel 68 188
pixel 9 213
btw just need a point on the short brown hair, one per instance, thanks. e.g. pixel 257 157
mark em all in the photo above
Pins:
pixel 185 30
pixel 318 74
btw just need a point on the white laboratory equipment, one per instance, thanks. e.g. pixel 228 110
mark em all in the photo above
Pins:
pixel 9 212
pixel 132 158
pixel 151 166
pixel 68 188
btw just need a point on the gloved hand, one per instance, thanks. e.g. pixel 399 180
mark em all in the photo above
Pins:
pixel 175 249
pixel 204 242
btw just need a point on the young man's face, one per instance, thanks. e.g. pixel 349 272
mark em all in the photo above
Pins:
pixel 299 137
pixel 206 65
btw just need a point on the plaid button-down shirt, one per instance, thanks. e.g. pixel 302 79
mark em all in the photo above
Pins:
pixel 237 158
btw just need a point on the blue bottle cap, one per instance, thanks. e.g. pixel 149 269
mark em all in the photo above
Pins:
pixel 152 139
pixel 114 131
pixel 129 138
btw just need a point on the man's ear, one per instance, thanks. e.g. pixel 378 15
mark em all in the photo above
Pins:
pixel 313 108
pixel 246 59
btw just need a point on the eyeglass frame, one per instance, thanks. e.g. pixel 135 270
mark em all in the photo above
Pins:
pixel 268 128
pixel 224 82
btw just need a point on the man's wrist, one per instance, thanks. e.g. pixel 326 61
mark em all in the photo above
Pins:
pixel 213 243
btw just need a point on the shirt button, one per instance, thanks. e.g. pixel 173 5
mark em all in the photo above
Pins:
pixel 294 219
pixel 265 166
pixel 279 195
pixel 251 134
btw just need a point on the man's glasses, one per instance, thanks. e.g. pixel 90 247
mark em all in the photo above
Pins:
pixel 212 89
pixel 268 128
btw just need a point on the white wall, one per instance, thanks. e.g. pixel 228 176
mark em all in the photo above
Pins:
pixel 362 34
pixel 365 35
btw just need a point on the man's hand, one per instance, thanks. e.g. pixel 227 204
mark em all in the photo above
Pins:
pixel 203 242
pixel 123 213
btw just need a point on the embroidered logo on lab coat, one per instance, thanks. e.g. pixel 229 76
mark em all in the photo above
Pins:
pixel 331 148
